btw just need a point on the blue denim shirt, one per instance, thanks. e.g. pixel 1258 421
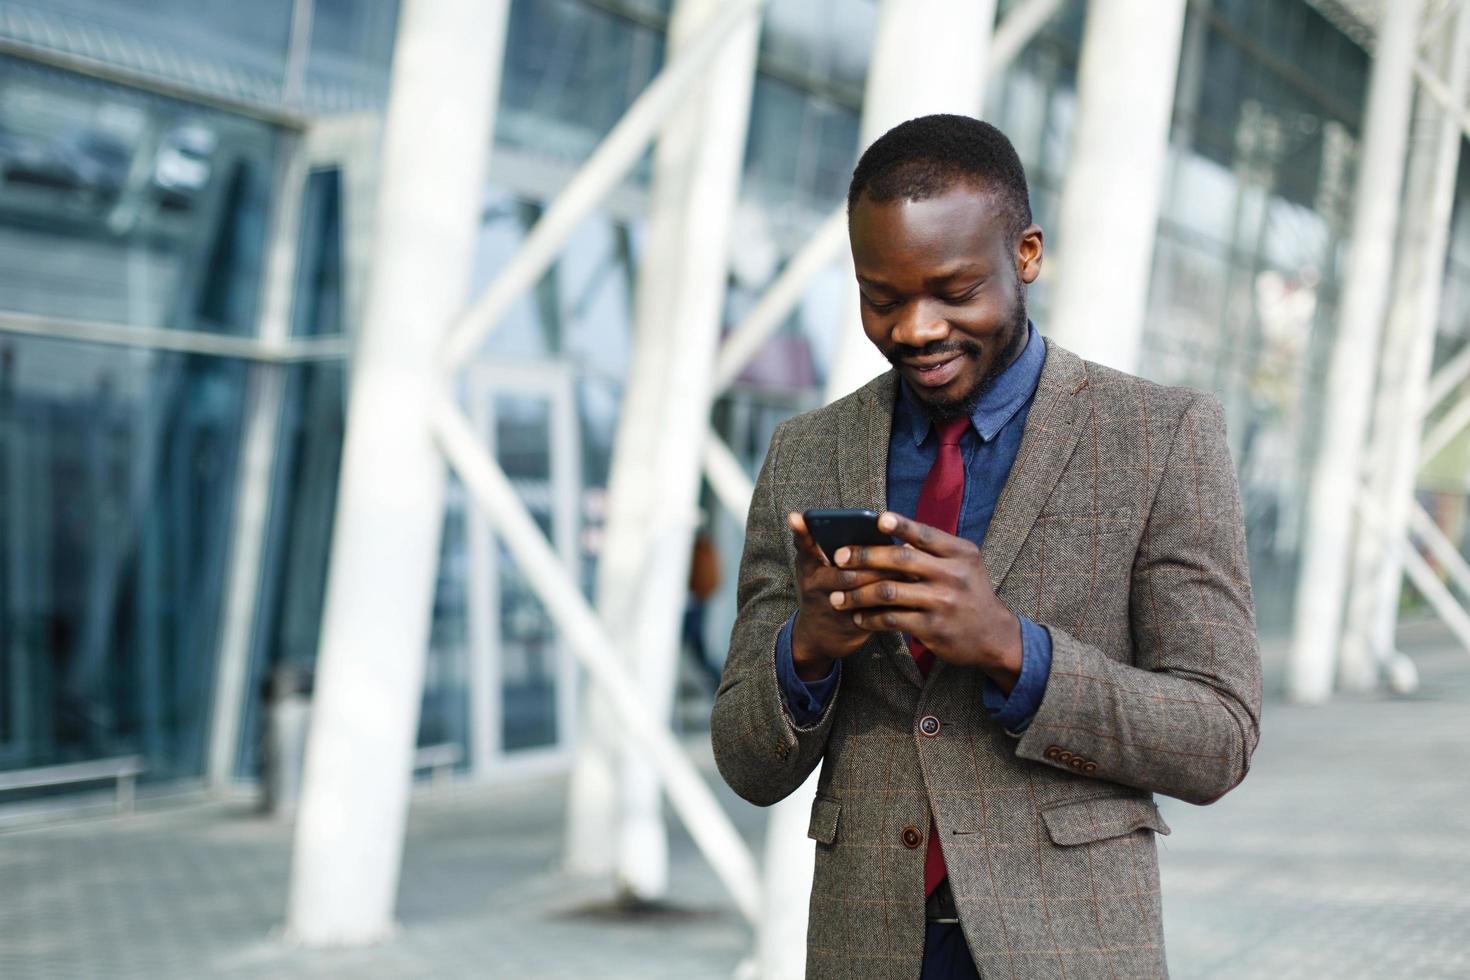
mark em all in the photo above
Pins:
pixel 989 448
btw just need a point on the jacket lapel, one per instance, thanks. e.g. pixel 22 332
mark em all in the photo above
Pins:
pixel 862 445
pixel 862 474
pixel 1056 419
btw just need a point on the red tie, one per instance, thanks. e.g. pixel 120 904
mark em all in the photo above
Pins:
pixel 939 506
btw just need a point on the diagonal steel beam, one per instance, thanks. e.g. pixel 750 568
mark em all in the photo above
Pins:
pixel 780 298
pixel 1443 432
pixel 1422 526
pixel 1440 599
pixel 545 572
pixel 1013 33
pixel 1448 377
pixel 733 487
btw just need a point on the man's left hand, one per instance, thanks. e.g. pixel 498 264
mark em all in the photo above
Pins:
pixel 939 592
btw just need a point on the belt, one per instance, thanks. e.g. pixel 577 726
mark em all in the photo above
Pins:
pixel 940 906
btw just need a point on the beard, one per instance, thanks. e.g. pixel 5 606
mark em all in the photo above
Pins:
pixel 963 405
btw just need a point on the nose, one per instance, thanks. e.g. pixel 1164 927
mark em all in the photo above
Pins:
pixel 919 324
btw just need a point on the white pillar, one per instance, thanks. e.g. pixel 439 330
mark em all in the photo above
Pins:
pixel 375 631
pixel 1408 354
pixel 1337 473
pixel 643 573
pixel 1103 244
pixel 928 56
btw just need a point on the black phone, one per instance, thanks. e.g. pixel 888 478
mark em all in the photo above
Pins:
pixel 833 527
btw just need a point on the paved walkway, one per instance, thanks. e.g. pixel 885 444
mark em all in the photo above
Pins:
pixel 1345 854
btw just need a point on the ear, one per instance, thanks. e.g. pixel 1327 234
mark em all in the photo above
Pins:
pixel 1028 254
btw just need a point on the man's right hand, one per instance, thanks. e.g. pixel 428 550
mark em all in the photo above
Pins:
pixel 822 633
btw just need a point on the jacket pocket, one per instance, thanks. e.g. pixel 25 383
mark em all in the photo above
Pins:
pixel 1067 525
pixel 1098 818
pixel 825 812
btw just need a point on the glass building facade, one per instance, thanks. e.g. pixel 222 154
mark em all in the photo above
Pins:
pixel 146 408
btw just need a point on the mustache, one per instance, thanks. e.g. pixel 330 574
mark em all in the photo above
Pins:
pixel 899 352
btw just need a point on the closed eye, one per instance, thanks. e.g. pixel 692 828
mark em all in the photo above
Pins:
pixel 964 295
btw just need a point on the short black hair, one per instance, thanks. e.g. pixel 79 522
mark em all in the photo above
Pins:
pixel 925 157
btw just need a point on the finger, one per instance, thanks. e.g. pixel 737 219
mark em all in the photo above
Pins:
pixel 883 595
pixel 899 559
pixel 830 579
pixel 921 536
pixel 806 545
pixel 880 620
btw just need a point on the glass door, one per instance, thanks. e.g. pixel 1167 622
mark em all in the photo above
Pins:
pixel 523 679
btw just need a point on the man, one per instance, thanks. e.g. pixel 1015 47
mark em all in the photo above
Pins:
pixel 1064 629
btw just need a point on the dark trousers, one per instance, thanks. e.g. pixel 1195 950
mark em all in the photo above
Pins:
pixel 946 954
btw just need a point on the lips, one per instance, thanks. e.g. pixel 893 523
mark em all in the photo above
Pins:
pixel 935 372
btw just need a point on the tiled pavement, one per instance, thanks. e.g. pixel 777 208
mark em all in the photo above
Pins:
pixel 1345 854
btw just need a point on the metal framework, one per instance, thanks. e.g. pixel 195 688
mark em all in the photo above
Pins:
pixel 1395 451
pixel 1357 579
pixel 1350 382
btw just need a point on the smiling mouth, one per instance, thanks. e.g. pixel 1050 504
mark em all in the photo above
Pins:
pixel 938 372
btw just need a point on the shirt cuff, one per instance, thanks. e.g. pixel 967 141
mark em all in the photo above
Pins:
pixel 1014 712
pixel 807 700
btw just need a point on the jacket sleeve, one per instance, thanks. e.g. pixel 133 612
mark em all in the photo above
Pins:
pixel 1184 718
pixel 760 750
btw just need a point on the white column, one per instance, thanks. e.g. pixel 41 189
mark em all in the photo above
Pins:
pixel 349 835
pixel 928 56
pixel 1403 380
pixel 1337 473
pixel 1103 244
pixel 643 573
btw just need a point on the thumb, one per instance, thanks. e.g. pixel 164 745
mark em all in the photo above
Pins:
pixel 805 543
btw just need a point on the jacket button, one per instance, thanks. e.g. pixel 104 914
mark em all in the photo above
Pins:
pixel 911 837
pixel 929 725
pixel 1089 767
pixel 1052 751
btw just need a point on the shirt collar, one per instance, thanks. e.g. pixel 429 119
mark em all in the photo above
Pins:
pixel 1006 395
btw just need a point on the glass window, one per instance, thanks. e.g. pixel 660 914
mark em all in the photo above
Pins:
pixel 820 45
pixel 799 154
pixel 120 206
pixel 351 53
pixel 118 465
pixel 293 575
pixel 244 43
pixel 117 484
pixel 571 70
pixel 444 710
pixel 222 48
pixel 317 308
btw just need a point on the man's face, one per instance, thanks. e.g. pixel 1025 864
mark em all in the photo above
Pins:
pixel 942 290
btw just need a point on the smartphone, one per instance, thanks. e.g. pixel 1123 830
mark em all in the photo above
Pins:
pixel 834 527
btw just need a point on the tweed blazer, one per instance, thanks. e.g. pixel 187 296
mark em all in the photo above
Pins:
pixel 1119 529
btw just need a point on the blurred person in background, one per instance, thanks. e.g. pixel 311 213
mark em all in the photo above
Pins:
pixel 704 582
pixel 1063 628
